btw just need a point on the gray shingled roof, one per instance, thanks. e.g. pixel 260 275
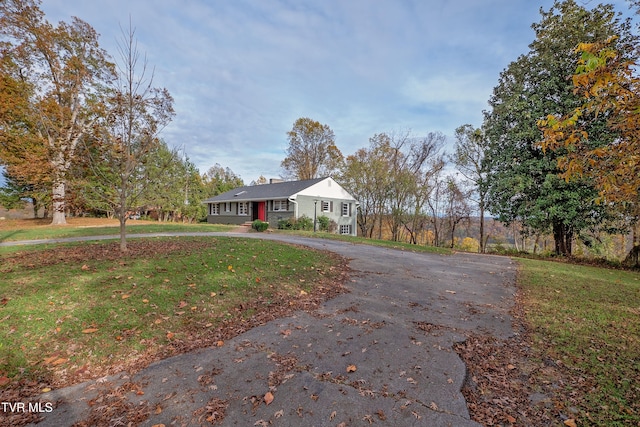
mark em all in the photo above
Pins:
pixel 280 190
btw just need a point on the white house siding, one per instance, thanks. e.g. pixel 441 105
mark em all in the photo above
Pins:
pixel 307 204
pixel 327 188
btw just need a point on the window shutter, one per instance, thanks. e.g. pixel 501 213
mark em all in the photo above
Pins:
pixel 330 206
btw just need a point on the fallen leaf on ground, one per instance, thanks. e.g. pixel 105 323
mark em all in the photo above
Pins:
pixel 268 398
pixel 89 330
pixel 450 292
pixel 352 368
pixel 570 422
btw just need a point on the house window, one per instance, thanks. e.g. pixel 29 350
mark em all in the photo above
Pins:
pixel 345 229
pixel 214 209
pixel 279 205
pixel 346 209
pixel 326 206
pixel 227 207
pixel 242 209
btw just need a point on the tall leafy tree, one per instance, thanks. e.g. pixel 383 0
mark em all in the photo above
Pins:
pixel 469 158
pixel 523 183
pixel 167 176
pixel 607 78
pixel 61 69
pixel 218 179
pixel 195 192
pixel 312 151
pixel 365 175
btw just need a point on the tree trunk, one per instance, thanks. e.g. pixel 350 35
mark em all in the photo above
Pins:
pixel 563 237
pixel 58 203
pixel 482 248
pixel 453 232
pixel 633 257
pixel 123 233
pixel 121 212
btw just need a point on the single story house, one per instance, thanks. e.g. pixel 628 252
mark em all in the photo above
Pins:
pixel 285 199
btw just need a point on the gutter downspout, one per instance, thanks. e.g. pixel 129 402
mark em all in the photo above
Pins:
pixel 355 225
pixel 295 208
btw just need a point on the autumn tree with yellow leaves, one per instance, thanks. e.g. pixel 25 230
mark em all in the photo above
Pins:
pixel 607 79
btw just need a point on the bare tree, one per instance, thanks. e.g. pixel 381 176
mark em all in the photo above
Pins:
pixel 135 113
pixel 469 158
pixel 392 180
pixel 457 206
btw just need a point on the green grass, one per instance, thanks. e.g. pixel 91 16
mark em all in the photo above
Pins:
pixel 588 318
pixel 51 232
pixel 64 311
pixel 373 242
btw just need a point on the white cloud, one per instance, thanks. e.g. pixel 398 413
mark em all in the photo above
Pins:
pixel 243 71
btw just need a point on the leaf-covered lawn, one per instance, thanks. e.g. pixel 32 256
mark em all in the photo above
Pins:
pixel 82 311
pixel 576 359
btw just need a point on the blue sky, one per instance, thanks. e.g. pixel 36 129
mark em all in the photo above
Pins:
pixel 242 71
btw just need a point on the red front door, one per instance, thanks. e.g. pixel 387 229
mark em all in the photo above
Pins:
pixel 262 211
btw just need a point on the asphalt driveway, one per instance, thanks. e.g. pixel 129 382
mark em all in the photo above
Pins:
pixel 381 354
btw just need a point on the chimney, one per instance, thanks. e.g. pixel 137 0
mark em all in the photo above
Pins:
pixel 275 180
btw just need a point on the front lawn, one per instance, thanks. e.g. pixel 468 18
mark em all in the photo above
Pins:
pixel 81 311
pixel 575 359
pixel 586 321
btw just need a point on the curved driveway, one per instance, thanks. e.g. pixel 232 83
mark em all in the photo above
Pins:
pixel 381 354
